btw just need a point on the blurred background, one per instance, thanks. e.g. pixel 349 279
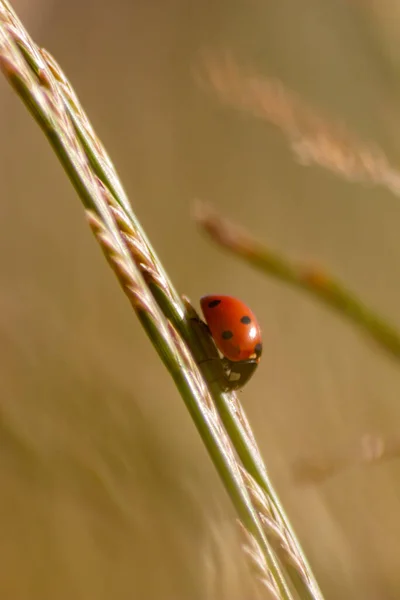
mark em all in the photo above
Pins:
pixel 106 489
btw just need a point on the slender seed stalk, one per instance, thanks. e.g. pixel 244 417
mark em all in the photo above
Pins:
pixel 313 280
pixel 169 320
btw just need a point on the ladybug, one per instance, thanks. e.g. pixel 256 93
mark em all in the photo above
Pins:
pixel 236 334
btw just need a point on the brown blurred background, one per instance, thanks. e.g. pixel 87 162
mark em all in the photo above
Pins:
pixel 106 489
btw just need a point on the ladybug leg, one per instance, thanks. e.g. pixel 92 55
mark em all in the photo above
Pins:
pixel 211 365
pixel 239 373
pixel 203 325
pixel 209 360
pixel 215 372
pixel 222 382
pixel 207 349
pixel 193 314
pixel 221 372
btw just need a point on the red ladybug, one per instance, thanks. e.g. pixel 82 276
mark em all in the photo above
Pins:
pixel 236 334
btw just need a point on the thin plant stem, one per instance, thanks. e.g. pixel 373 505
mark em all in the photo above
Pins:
pixel 168 320
pixel 311 279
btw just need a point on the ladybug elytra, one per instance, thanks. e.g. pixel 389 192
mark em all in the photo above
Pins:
pixel 236 334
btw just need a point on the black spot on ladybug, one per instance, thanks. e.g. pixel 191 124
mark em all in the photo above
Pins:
pixel 258 349
pixel 214 303
pixel 227 335
pixel 245 320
